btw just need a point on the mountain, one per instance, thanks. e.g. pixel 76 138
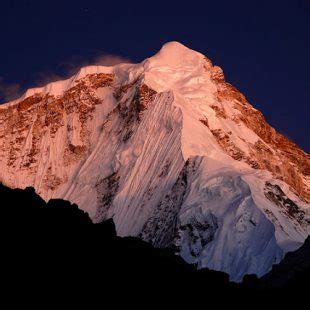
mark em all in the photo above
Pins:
pixel 169 150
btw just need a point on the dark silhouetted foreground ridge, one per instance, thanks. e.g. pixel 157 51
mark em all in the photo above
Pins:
pixel 55 242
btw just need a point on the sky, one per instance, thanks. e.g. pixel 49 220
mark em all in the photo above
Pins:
pixel 262 46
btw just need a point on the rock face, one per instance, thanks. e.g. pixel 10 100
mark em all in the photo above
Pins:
pixel 169 150
pixel 272 152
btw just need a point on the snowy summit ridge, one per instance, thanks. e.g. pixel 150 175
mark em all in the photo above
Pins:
pixel 170 150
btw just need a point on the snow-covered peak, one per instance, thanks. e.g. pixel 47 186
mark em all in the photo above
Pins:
pixel 173 62
pixel 171 151
pixel 178 68
pixel 175 55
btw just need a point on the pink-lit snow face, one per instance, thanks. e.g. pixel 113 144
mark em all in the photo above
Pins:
pixel 160 144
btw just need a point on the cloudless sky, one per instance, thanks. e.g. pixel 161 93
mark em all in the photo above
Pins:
pixel 262 46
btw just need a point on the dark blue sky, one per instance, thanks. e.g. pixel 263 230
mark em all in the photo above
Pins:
pixel 263 46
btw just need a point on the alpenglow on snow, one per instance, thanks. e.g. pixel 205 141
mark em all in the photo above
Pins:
pixel 169 150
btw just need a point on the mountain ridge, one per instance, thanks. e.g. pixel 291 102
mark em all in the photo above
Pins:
pixel 170 151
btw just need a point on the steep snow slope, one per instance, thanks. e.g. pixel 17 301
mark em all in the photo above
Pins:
pixel 172 152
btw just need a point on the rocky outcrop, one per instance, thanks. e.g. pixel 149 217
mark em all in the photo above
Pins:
pixel 25 128
pixel 133 100
pixel 106 191
pixel 275 194
pixel 273 152
pixel 162 227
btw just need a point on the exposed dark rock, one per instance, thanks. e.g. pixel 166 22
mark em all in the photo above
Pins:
pixel 196 234
pixel 161 228
pixel 106 191
pixel 275 194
